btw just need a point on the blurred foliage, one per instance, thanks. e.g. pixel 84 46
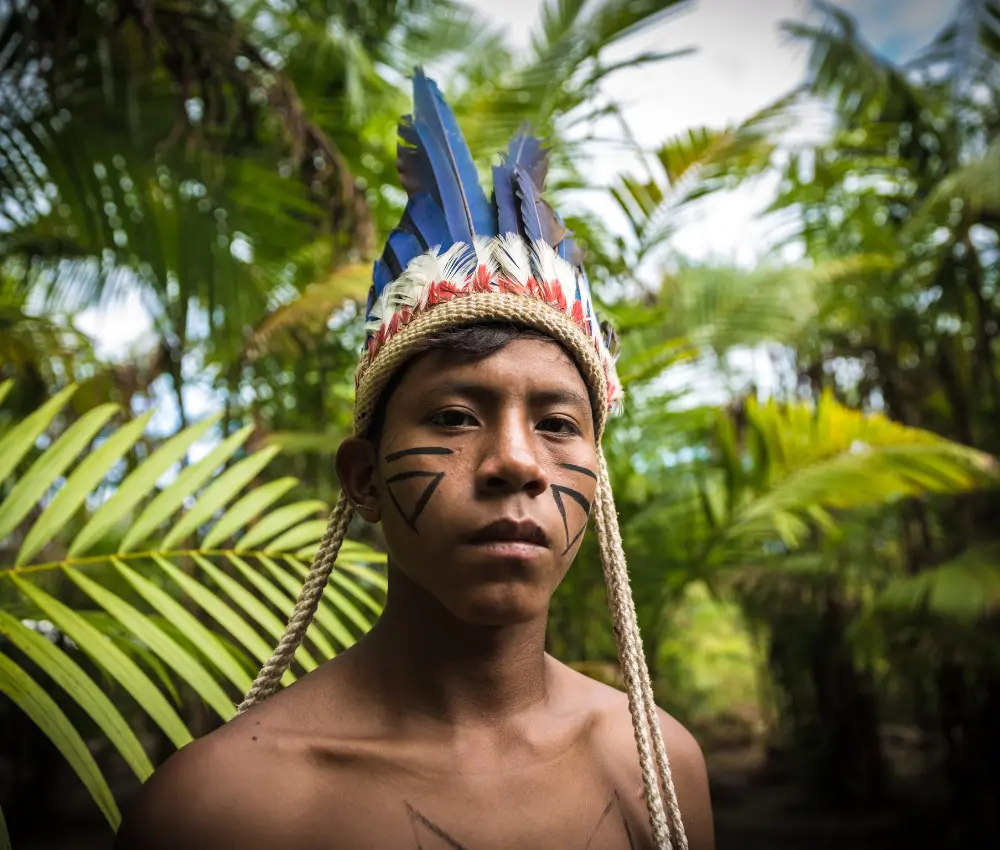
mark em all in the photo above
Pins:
pixel 804 471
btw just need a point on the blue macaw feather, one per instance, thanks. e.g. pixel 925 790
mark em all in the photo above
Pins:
pixel 381 278
pixel 414 166
pixel 528 195
pixel 400 248
pixel 538 218
pixel 424 218
pixel 526 152
pixel 505 200
pixel 466 208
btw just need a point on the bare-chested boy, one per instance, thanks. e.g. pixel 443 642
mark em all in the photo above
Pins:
pixel 448 725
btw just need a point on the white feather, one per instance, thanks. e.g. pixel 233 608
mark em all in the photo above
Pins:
pixel 510 254
pixel 483 246
pixel 544 256
pixel 566 275
pixel 459 262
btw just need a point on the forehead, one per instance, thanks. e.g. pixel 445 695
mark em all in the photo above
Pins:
pixel 522 369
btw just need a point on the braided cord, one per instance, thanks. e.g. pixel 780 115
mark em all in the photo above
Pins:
pixel 627 654
pixel 645 720
pixel 626 619
pixel 269 677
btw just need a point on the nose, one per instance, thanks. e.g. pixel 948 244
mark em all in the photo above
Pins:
pixel 510 462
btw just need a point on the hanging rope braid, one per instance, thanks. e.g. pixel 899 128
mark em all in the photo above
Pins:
pixel 630 643
pixel 269 677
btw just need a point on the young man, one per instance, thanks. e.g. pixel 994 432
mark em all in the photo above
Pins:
pixel 482 395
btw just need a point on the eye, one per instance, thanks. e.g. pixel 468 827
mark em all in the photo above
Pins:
pixel 454 419
pixel 558 425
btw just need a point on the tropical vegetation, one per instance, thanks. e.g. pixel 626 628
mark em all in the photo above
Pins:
pixel 805 471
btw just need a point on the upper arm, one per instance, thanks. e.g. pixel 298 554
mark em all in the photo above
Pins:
pixel 166 811
pixel 687 767
pixel 197 800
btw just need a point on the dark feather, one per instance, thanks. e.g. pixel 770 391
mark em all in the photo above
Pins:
pixel 505 200
pixel 553 230
pixel 526 152
pixel 381 277
pixel 527 192
pixel 463 200
pixel 424 218
pixel 400 248
pixel 567 248
pixel 414 166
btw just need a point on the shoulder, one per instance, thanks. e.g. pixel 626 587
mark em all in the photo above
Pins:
pixel 196 799
pixel 615 736
pixel 221 790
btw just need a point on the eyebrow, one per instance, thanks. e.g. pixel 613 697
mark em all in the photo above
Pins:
pixel 560 395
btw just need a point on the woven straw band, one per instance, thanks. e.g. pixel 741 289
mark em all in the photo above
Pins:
pixel 472 309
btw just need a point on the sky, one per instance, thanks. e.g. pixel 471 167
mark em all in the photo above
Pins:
pixel 742 62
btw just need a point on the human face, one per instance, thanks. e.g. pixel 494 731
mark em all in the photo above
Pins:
pixel 485 477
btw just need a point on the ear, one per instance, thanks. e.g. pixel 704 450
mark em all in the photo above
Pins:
pixel 357 469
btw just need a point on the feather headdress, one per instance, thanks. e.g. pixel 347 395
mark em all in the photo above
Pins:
pixel 452 241
pixel 458 258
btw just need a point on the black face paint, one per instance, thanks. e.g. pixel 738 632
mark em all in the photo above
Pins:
pixel 411 517
pixel 428 834
pixel 582 469
pixel 419 450
pixel 557 493
pixel 558 490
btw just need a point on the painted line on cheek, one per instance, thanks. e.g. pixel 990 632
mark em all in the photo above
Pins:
pixel 418 450
pixel 411 518
pixel 582 469
pixel 557 493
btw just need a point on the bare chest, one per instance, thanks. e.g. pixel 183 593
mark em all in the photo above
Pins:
pixel 355 800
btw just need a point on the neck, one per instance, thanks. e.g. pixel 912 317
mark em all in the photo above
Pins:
pixel 420 656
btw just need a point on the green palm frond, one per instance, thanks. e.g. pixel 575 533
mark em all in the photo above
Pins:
pixel 714 308
pixel 187 582
pixel 966 588
pixel 799 463
pixel 304 319
pixel 976 184
pixel 849 72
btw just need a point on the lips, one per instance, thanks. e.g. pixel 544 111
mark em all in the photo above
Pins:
pixel 511 531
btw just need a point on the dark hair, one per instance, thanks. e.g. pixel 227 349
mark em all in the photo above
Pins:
pixel 468 342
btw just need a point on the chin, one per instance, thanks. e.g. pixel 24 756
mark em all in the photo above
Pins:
pixel 498 606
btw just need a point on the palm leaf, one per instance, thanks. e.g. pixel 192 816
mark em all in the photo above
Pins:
pixel 966 588
pixel 66 673
pixel 138 631
pixel 31 698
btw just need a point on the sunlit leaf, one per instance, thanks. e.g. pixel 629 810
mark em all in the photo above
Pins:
pixel 189 480
pixel 20 439
pixel 52 463
pixel 174 655
pixel 79 485
pixel 137 485
pixel 219 493
pixel 109 657
pixel 247 509
pixel 277 521
pixel 66 673
pixel 29 696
